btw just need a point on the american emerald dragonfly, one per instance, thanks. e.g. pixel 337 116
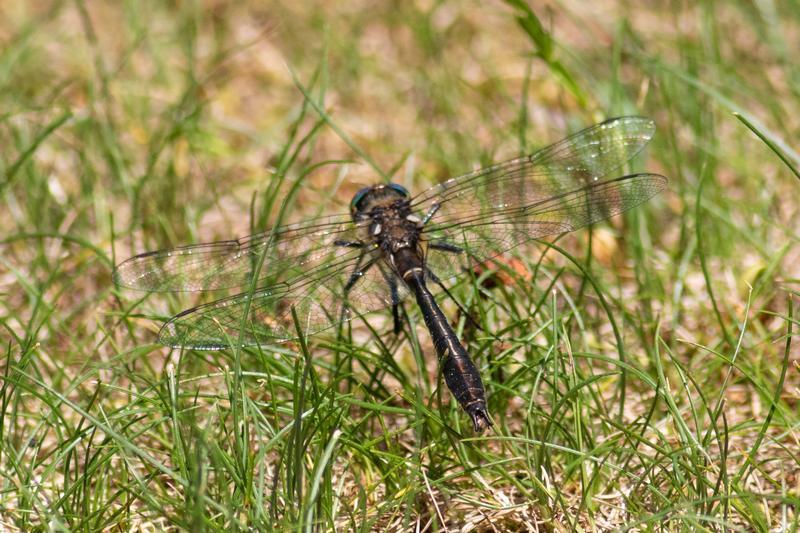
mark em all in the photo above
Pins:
pixel 393 244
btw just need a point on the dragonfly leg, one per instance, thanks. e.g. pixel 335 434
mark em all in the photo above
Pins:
pixel 356 275
pixel 398 324
pixel 392 282
pixel 432 211
pixel 349 244
pixel 445 246
pixel 358 272
pixel 433 277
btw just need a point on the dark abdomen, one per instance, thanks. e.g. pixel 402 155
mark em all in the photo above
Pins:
pixel 460 373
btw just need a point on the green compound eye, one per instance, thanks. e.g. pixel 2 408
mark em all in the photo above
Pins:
pixel 357 198
pixel 399 188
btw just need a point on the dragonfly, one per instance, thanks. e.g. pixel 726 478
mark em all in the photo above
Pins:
pixel 392 246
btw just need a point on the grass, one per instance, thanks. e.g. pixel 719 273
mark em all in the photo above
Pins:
pixel 643 374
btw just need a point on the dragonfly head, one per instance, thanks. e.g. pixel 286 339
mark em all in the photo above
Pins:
pixel 376 196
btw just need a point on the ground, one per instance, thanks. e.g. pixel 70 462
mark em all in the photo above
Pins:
pixel 642 374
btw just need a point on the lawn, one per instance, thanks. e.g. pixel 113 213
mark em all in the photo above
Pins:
pixel 643 374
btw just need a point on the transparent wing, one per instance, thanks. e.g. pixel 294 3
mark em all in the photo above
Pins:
pixel 305 265
pixel 479 236
pixel 320 298
pixel 555 190
pixel 288 252
pixel 570 164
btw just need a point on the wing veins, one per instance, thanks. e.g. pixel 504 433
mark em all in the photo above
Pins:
pixel 163 270
pixel 555 154
pixel 561 203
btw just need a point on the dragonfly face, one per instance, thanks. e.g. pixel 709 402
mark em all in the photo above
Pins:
pixel 392 246
pixel 376 196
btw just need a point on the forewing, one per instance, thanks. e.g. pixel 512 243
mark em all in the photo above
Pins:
pixel 319 298
pixel 288 251
pixel 568 165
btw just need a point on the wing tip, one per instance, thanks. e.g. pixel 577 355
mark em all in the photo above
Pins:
pixel 125 276
pixel 118 274
pixel 646 123
pixel 661 183
pixel 117 278
pixel 655 183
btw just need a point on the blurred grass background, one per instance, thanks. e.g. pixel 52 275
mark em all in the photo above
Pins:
pixel 646 376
